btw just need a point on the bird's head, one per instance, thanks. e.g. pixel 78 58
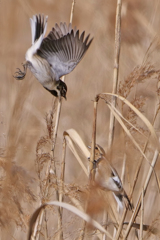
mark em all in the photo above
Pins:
pixel 61 89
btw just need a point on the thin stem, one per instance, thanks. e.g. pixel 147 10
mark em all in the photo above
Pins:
pixel 92 157
pixel 52 164
pixel 135 181
pixel 72 11
pixel 91 166
pixel 140 197
pixel 142 215
pixel 62 172
pixel 116 69
pixel 123 169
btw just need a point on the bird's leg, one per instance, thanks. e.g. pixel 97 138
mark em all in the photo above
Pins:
pixel 19 75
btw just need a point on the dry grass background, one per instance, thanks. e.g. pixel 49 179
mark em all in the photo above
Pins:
pixel 24 105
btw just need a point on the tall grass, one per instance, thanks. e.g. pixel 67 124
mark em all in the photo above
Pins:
pixel 48 188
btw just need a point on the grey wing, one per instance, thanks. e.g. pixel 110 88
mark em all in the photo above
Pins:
pixel 63 48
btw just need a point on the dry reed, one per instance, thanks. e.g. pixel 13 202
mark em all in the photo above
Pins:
pixel 46 167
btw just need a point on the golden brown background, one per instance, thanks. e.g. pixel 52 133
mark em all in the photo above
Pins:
pixel 24 104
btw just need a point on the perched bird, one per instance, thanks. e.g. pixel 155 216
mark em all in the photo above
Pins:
pixel 107 178
pixel 54 56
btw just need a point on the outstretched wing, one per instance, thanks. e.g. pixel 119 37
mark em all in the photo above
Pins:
pixel 63 48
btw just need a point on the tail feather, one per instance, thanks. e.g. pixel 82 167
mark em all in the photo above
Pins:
pixel 120 198
pixel 38 27
pixel 130 205
pixel 38 30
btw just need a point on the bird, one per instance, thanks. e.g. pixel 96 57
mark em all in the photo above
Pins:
pixel 107 178
pixel 49 58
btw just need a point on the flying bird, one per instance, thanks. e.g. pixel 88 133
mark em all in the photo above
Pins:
pixel 56 55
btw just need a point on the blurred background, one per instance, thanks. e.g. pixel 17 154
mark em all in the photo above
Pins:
pixel 24 104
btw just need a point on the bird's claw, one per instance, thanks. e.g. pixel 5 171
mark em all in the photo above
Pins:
pixel 19 75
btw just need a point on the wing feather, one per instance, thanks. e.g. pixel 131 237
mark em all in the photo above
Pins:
pixel 63 48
